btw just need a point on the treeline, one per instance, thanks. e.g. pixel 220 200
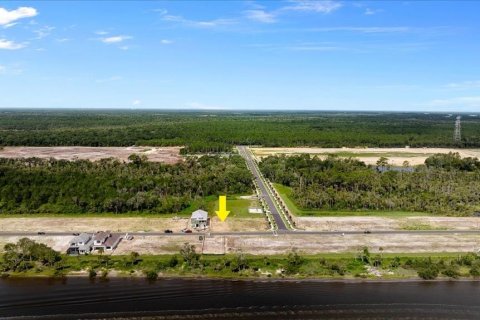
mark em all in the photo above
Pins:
pixel 56 186
pixel 348 184
pixel 453 161
pixel 201 132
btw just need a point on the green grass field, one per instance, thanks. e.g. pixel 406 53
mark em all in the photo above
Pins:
pixel 285 193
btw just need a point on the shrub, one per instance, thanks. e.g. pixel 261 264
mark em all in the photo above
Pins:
pixel 475 271
pixel 451 272
pixel 428 273
pixel 92 273
pixel 173 262
pixel 151 275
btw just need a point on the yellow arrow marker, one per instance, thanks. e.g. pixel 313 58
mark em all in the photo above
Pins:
pixel 222 212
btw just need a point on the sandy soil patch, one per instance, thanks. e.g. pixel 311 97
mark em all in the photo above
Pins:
pixel 58 243
pixel 381 223
pixel 268 244
pixel 119 224
pixel 165 154
pixel 396 156
pixel 157 244
pixel 395 243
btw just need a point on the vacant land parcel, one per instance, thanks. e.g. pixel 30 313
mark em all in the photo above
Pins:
pixel 168 155
pixel 396 156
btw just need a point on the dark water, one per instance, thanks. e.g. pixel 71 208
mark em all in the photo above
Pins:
pixel 78 298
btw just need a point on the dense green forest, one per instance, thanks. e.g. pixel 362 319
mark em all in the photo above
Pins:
pixel 219 131
pixel 57 186
pixel 446 185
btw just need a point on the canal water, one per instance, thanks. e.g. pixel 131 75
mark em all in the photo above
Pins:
pixel 80 298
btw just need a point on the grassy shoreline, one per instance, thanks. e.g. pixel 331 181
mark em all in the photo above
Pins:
pixel 344 267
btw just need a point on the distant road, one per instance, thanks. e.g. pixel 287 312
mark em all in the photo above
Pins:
pixel 245 153
pixel 257 233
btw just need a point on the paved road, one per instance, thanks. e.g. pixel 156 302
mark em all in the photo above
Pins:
pixel 262 233
pixel 244 152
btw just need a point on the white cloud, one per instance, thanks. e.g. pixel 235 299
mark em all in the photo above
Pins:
pixel 7 17
pixel 465 85
pixel 370 11
pixel 457 103
pixel 136 102
pixel 43 32
pixel 101 33
pixel 115 39
pixel 363 29
pixel 195 23
pixel 260 16
pixel 14 70
pixel 10 45
pixel 320 6
pixel 9 25
pixel 166 41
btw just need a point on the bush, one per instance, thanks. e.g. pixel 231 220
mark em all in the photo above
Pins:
pixel 475 271
pixel 173 262
pixel 151 275
pixel 428 273
pixel 294 262
pixel 451 272
pixel 395 263
pixel 92 273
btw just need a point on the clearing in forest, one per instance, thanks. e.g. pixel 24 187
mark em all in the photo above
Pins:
pixel 396 156
pixel 169 155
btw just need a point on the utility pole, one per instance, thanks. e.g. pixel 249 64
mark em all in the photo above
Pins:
pixel 457 136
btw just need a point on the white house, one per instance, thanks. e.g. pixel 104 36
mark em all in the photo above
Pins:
pixel 199 219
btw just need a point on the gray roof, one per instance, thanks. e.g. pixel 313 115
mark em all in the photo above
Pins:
pixel 83 237
pixel 101 236
pixel 200 215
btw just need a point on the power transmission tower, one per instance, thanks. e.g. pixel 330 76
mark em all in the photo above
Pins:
pixel 457 136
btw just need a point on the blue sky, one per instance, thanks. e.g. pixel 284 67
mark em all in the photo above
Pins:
pixel 276 55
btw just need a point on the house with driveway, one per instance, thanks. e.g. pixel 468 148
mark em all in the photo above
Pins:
pixel 102 241
pixel 80 244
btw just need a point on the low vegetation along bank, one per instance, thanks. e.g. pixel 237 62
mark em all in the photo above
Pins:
pixel 29 259
pixel 445 185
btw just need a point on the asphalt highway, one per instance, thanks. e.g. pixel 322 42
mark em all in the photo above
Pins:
pixel 258 233
pixel 245 153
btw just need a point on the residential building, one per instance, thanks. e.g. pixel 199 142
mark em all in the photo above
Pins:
pixel 199 219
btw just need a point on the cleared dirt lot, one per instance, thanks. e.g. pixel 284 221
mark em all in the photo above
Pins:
pixel 266 245
pixel 119 224
pixel 381 223
pixel 167 155
pixel 396 156
pixel 312 244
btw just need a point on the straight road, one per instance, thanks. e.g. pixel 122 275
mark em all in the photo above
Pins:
pixel 258 233
pixel 245 153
